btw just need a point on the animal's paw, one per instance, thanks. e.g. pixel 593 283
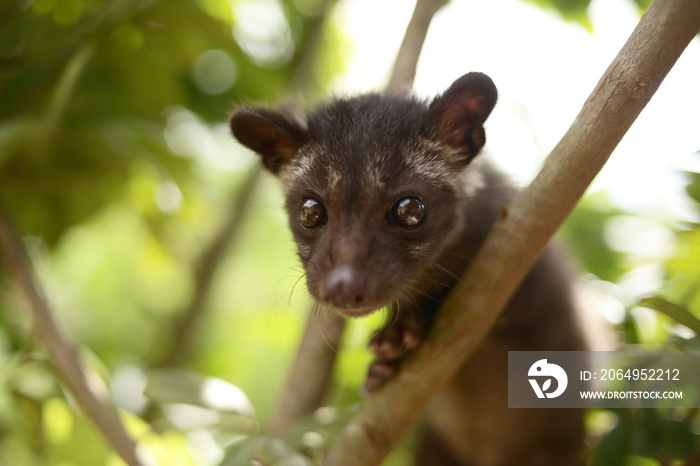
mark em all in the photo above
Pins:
pixel 389 346
pixel 394 341
pixel 377 374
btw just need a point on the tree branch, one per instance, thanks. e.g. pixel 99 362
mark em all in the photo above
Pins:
pixel 522 231
pixel 407 59
pixel 92 398
pixel 304 78
pixel 312 370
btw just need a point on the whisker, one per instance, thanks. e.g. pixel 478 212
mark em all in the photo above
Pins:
pixel 291 292
pixel 335 349
pixel 408 296
pixel 449 272
pixel 393 314
pixel 435 279
pixel 317 310
pixel 421 292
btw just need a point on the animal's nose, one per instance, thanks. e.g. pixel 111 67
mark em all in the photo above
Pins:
pixel 345 287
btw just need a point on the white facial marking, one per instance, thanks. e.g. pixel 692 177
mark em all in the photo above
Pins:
pixel 374 172
pixel 472 177
pixel 300 167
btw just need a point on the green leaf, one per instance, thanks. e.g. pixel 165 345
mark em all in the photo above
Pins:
pixel 14 133
pixel 571 10
pixel 693 188
pixel 181 386
pixel 685 344
pixel 661 437
pixel 643 4
pixel 674 311
pixel 319 430
pixel 613 448
pixel 583 233
pixel 265 450
pixel 66 85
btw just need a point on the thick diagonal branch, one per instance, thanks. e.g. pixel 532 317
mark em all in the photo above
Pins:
pixel 523 231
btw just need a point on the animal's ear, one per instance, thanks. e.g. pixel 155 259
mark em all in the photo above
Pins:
pixel 275 136
pixel 457 116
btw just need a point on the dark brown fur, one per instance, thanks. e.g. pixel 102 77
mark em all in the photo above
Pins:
pixel 357 157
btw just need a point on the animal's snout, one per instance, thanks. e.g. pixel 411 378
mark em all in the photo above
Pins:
pixel 345 287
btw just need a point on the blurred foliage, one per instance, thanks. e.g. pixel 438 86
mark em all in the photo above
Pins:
pixel 117 167
pixel 571 10
pixel 665 318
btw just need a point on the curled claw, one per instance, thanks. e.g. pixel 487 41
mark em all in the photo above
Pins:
pixel 389 345
pixel 378 373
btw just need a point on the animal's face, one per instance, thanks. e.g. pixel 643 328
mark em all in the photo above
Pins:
pixel 372 186
pixel 368 218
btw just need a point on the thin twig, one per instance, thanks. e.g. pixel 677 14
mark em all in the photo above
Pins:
pixel 522 232
pixel 407 59
pixel 93 399
pixel 311 372
pixel 304 78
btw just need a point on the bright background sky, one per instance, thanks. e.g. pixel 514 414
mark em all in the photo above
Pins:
pixel 544 68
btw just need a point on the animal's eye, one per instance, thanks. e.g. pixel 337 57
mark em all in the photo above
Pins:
pixel 408 212
pixel 311 213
